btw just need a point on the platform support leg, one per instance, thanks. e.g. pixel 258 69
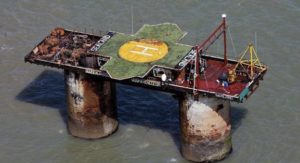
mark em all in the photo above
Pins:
pixel 91 104
pixel 205 128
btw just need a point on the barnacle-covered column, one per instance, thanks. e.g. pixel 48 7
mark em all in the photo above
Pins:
pixel 91 103
pixel 205 128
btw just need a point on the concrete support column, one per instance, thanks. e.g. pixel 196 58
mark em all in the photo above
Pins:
pixel 205 128
pixel 91 103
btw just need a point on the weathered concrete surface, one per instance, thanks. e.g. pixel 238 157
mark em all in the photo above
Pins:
pixel 91 102
pixel 205 128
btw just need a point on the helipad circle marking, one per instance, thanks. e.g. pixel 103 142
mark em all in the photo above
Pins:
pixel 143 50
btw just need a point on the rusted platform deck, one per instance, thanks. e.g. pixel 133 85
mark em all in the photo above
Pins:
pixel 99 55
pixel 208 80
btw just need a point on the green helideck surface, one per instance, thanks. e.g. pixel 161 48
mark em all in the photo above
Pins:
pixel 121 69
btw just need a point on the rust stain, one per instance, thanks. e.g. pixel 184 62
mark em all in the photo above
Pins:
pixel 93 115
pixel 62 47
pixel 204 132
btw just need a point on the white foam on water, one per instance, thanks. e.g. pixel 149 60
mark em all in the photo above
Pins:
pixel 5 47
pixel 173 160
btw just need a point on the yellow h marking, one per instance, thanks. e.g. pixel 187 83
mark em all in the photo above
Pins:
pixel 145 49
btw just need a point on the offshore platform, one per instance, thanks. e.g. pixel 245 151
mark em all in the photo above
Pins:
pixel 152 58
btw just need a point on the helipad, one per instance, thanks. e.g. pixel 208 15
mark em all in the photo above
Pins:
pixel 134 55
pixel 143 50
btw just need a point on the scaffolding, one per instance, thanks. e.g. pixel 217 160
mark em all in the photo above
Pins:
pixel 249 64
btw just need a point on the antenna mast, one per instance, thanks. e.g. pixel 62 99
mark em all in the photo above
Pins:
pixel 224 36
pixel 131 9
